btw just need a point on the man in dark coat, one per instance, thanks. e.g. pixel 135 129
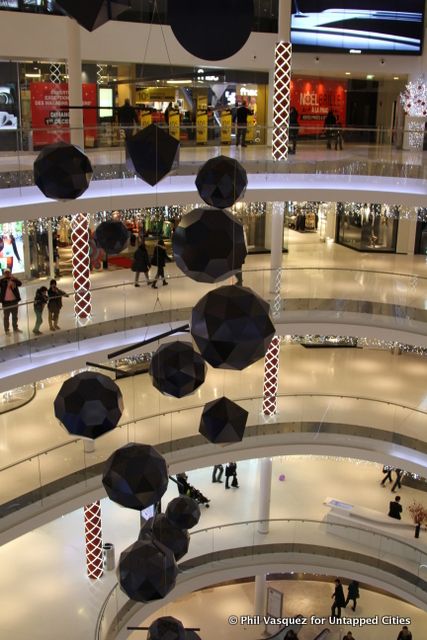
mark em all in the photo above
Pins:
pixel 399 475
pixel 141 262
pixel 329 124
pixel 10 297
pixel 159 259
pixel 54 305
pixel 395 509
pixel 338 599
pixel 293 129
pixel 242 114
pixel 353 593
pixel 231 472
pixel 127 118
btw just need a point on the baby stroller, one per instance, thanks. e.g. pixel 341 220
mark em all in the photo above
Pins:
pixel 187 489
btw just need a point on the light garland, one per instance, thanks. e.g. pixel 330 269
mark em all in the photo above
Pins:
pixel 414 98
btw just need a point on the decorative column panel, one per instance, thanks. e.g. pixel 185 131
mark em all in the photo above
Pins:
pixel 93 533
pixel 281 99
pixel 272 357
pixel 81 265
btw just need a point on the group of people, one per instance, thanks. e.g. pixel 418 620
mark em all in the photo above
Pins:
pixel 339 599
pixel 387 471
pixel 230 474
pixel 10 298
pixel 142 263
pixel 332 128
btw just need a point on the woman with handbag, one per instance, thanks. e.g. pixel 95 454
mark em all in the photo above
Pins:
pixel 159 259
pixel 141 263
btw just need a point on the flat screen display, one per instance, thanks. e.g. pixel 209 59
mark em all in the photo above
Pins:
pixel 358 26
pixel 106 100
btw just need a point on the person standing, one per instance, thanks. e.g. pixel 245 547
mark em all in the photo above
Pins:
pixel 329 124
pixel 395 509
pixel 399 474
pixel 141 262
pixel 166 114
pixel 40 301
pixel 353 593
pixel 217 473
pixel 338 133
pixel 293 129
pixel 231 472
pixel 242 114
pixel 338 599
pixel 404 634
pixel 159 259
pixel 387 475
pixel 54 304
pixel 127 118
pixel 10 298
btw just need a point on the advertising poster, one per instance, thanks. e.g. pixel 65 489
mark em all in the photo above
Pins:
pixel 174 124
pixel 313 98
pixel 50 113
pixel 12 247
pixel 201 127
pixel 250 132
pixel 9 105
pixel 145 119
pixel 226 124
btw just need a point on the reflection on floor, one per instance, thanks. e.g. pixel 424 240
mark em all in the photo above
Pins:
pixel 46 595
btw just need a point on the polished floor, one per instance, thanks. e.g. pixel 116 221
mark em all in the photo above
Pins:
pixel 45 593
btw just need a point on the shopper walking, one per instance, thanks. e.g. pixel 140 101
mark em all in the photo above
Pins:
pixel 10 298
pixel 353 593
pixel 231 472
pixel 217 473
pixel 329 125
pixel 40 301
pixel 387 475
pixel 338 134
pixel 166 114
pixel 349 636
pixel 404 634
pixel 127 118
pixel 395 509
pixel 399 474
pixel 141 263
pixel 242 114
pixel 293 129
pixel 338 599
pixel 54 304
pixel 159 259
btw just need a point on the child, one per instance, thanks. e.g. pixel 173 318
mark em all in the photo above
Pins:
pixel 40 301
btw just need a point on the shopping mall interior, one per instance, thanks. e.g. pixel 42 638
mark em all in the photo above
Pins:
pixel 300 452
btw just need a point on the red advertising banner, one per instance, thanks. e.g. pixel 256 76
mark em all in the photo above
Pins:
pixel 50 113
pixel 313 98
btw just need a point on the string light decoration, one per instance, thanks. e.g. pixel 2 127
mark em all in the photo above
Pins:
pixel 81 265
pixel 93 535
pixel 281 99
pixel 414 98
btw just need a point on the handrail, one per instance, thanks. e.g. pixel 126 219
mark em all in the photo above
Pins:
pixel 201 405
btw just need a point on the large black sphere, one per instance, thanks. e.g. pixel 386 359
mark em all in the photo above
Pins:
pixel 89 404
pixel 112 236
pixel 176 369
pixel 221 181
pixel 183 512
pixel 147 570
pixel 223 421
pixel 231 327
pixel 135 476
pixel 62 171
pixel 211 30
pixel 174 538
pixel 209 245
pixel 166 628
pixel 152 152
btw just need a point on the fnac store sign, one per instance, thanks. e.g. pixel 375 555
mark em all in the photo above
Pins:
pixel 313 98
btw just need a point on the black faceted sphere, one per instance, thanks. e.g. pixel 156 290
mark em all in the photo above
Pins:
pixel 221 181
pixel 209 245
pixel 147 571
pixel 152 152
pixel 211 30
pixel 135 476
pixel 231 327
pixel 176 369
pixel 166 628
pixel 95 13
pixel 174 538
pixel 191 635
pixel 112 236
pixel 223 421
pixel 89 404
pixel 183 512
pixel 62 171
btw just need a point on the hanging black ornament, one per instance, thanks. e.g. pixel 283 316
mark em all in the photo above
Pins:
pixel 89 15
pixel 176 369
pixel 62 171
pixel 191 635
pixel 112 236
pixel 152 152
pixel 147 570
pixel 174 538
pixel 223 421
pixel 211 31
pixel 231 327
pixel 183 512
pixel 221 181
pixel 166 628
pixel 209 245
pixel 135 476
pixel 89 404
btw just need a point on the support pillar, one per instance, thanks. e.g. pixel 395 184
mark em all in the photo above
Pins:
pixel 282 84
pixel 93 534
pixel 50 249
pixel 276 245
pixel 81 265
pixel 265 472
pixel 74 63
pixel 260 595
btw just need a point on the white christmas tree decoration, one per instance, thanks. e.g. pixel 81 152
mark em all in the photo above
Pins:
pixel 414 98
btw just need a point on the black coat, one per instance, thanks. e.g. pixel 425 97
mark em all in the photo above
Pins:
pixel 160 257
pixel 55 299
pixel 230 470
pixel 339 598
pixel 15 288
pixel 353 590
pixel 141 261
pixel 40 300
pixel 395 509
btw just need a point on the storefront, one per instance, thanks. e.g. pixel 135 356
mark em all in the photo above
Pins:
pixel 367 227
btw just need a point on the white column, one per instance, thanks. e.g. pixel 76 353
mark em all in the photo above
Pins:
pixel 284 21
pixel 260 595
pixel 264 497
pixel 276 256
pixel 270 98
pixel 74 62
pixel 406 232
pixel 50 249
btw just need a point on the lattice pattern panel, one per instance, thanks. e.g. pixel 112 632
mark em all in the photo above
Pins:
pixel 81 265
pixel 281 100
pixel 93 534
pixel 55 72
pixel 271 377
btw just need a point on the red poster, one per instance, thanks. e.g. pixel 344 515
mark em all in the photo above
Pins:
pixel 50 113
pixel 313 98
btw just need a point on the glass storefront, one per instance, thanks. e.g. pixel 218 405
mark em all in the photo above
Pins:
pixel 367 227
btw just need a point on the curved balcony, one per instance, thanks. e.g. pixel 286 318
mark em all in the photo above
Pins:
pixel 238 550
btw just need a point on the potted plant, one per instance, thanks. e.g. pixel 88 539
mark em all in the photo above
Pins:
pixel 419 515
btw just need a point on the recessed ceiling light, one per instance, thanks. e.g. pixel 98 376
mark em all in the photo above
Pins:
pixel 348 73
pixel 370 77
pixel 355 51
pixel 395 77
